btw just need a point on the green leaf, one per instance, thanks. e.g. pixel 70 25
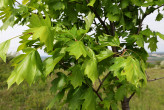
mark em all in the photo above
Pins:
pixel 112 17
pixel 76 76
pixel 139 40
pixel 89 20
pixel 77 49
pixel 90 66
pixel 108 40
pixel 90 100
pixel 16 60
pixel 153 43
pixel 147 32
pixel 92 2
pixel 28 69
pixel 41 28
pixel 4 46
pixel 118 64
pixel 74 98
pixel 59 82
pixel 160 35
pixel 159 17
pixel 133 72
pixel 124 3
pixel 59 6
pixel 24 2
pixel 57 98
pixel 121 93
pixel 9 22
pixel 50 63
pixel 104 54
pixel 5 3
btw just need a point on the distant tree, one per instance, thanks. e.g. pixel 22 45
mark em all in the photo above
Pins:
pixel 100 43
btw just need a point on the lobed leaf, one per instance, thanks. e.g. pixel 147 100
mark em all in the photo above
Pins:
pixel 50 63
pixel 90 66
pixel 77 49
pixel 77 76
pixel 4 46
pixel 89 100
pixel 28 69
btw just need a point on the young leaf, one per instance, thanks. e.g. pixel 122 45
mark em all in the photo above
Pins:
pixel 91 2
pixel 77 76
pixel 4 46
pixel 28 69
pixel 160 35
pixel 77 49
pixel 24 2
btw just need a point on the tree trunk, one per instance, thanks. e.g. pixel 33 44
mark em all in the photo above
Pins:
pixel 125 104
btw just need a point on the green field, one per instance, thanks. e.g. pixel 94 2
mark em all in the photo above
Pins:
pixel 38 96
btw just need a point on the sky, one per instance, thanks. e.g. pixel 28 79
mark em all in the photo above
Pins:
pixel 17 30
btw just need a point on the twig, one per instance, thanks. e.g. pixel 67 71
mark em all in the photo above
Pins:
pixel 97 15
pixel 147 75
pixel 97 94
pixel 144 16
pixel 17 2
pixel 131 96
pixel 101 82
pixel 95 91
pixel 149 80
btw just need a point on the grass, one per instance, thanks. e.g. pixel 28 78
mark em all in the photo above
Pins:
pixel 151 96
pixel 38 96
pixel 23 97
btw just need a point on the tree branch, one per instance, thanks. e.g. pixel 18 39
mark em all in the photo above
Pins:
pixel 101 82
pixel 149 80
pixel 131 96
pixel 97 94
pixel 144 16
pixel 17 2
pixel 97 15
pixel 95 91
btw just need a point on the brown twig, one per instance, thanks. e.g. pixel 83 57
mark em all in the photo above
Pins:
pixel 97 15
pixel 149 80
pixel 101 83
pixel 17 2
pixel 131 96
pixel 144 16
pixel 95 91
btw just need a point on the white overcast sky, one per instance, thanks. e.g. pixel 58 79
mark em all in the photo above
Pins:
pixel 17 30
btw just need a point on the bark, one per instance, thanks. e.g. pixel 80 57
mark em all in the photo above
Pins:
pixel 125 104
